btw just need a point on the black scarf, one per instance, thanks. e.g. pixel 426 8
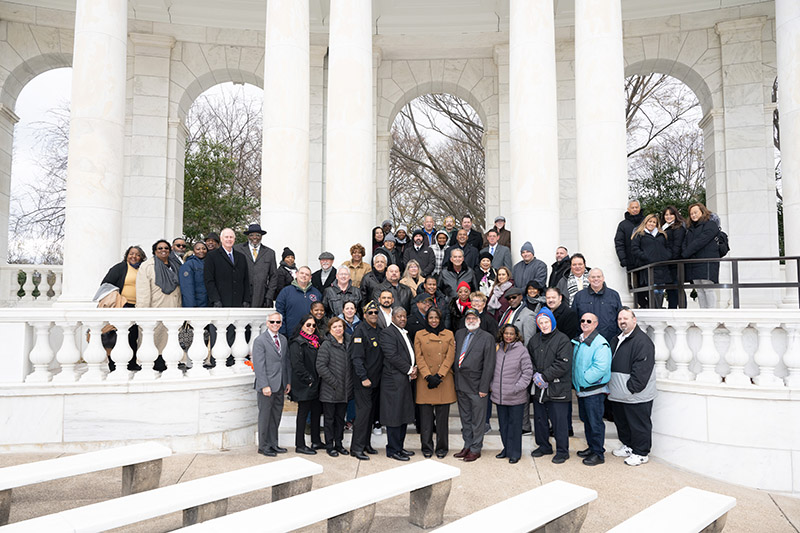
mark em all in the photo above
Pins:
pixel 166 276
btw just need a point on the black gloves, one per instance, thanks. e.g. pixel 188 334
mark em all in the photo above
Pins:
pixel 217 304
pixel 434 380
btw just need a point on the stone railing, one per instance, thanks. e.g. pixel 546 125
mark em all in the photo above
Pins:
pixel 29 285
pixel 63 345
pixel 742 348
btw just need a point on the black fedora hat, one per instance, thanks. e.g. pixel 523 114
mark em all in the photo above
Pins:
pixel 254 228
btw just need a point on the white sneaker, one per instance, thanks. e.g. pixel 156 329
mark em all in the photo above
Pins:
pixel 622 451
pixel 376 431
pixel 636 460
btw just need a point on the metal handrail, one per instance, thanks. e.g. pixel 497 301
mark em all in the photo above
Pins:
pixel 735 285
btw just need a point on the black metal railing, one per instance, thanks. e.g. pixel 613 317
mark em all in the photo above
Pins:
pixel 735 285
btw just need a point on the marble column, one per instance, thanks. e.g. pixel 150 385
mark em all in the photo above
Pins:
pixel 7 121
pixel 96 139
pixel 602 167
pixel 533 127
pixel 350 181
pixel 285 146
pixel 787 25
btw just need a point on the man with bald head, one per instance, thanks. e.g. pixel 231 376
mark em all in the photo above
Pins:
pixel 402 294
pixel 226 274
pixel 591 371
pixel 600 300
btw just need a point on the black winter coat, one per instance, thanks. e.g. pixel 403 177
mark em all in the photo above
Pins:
pixel 675 236
pixel 558 270
pixel 397 397
pixel 225 282
pixel 648 249
pixel 316 280
pixel 551 356
pixel 622 239
pixel 335 371
pixel 116 275
pixel 304 377
pixel 566 320
pixel 700 243
pixel 285 277
pixel 334 298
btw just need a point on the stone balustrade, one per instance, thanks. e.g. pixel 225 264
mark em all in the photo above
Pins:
pixel 30 285
pixel 63 345
pixel 755 348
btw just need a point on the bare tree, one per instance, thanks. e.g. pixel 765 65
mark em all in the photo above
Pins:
pixel 437 163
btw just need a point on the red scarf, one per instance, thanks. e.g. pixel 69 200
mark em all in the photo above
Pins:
pixel 313 339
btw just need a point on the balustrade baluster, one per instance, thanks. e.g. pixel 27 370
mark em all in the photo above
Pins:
pixel 68 355
pixel 221 350
pixel 792 356
pixel 94 355
pixel 28 286
pixel 198 351
pixel 681 353
pixel 766 357
pixel 708 354
pixel 737 356
pixel 172 353
pixel 240 348
pixel 41 355
pixel 662 350
pixel 121 353
pixel 147 353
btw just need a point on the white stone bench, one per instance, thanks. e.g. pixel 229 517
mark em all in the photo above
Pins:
pixel 141 470
pixel 199 499
pixel 557 506
pixel 688 510
pixel 349 506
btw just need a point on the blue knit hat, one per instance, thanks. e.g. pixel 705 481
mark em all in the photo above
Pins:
pixel 546 312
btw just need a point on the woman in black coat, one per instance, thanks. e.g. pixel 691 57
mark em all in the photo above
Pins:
pixel 701 243
pixel 305 384
pixel 551 356
pixel 675 228
pixel 336 384
pixel 123 274
pixel 649 245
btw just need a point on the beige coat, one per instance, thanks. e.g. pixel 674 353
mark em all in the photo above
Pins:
pixel 435 354
pixel 408 282
pixel 149 295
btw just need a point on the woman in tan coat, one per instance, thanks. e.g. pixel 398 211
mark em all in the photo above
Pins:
pixel 434 349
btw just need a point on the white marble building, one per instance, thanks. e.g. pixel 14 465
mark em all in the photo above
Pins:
pixel 546 78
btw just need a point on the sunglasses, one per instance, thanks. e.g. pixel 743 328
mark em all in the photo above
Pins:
pixel 274 321
pixel 179 245
pixel 309 325
pixel 162 248
pixel 585 321
pixel 371 313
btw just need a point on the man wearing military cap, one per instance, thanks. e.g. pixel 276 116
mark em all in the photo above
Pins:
pixel 367 366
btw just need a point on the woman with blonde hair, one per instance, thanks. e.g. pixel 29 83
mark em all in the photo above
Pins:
pixel 701 242
pixel 649 245
pixel 412 277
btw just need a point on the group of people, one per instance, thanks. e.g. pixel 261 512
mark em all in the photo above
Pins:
pixel 404 349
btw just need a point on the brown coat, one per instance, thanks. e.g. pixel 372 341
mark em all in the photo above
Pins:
pixel 435 354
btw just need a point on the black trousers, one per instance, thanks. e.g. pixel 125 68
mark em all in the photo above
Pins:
pixel 333 416
pixel 395 439
pixel 366 412
pixel 434 417
pixel 303 409
pixel 634 426
pixel 556 413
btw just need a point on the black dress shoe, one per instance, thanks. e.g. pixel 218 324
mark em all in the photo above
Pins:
pixel 318 446
pixel 427 455
pixel 361 456
pixel 538 452
pixel 305 450
pixel 332 452
pixel 585 453
pixel 278 449
pixel 399 457
pixel 370 450
pixel 560 458
pixel 342 450
pixel 409 453
pixel 268 453
pixel 571 432
pixel 593 460
pixel 441 454
pixel 514 460
pixel 501 455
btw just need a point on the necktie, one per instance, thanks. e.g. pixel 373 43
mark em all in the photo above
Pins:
pixel 464 349
pixel 230 256
pixel 491 250
pixel 255 254
pixel 277 343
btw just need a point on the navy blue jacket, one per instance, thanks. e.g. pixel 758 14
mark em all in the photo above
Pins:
pixel 294 303
pixel 604 304
pixel 193 286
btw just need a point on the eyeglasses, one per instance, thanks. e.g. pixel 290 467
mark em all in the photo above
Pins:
pixel 179 245
pixel 162 248
pixel 274 321
pixel 309 325
pixel 586 321
pixel 371 313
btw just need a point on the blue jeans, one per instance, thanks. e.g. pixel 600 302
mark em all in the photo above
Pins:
pixel 510 418
pixel 590 410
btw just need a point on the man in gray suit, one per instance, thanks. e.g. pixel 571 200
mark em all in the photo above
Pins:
pixel 261 267
pixel 474 369
pixel 501 255
pixel 272 369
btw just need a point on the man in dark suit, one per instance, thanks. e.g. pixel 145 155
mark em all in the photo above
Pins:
pixel 474 369
pixel 474 238
pixel 367 360
pixel 261 267
pixel 399 373
pixel 385 306
pixel 272 369
pixel 226 274
pixel 421 253
pixel 501 255
pixel 470 252
pixel 326 275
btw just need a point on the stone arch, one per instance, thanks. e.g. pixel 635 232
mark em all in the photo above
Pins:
pixel 26 70
pixel 679 71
